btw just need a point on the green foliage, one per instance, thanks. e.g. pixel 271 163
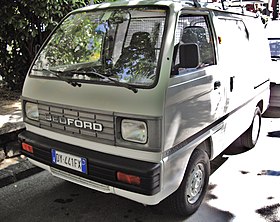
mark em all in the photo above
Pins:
pixel 24 26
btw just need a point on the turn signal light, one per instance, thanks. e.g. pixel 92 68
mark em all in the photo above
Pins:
pixel 27 147
pixel 220 40
pixel 129 179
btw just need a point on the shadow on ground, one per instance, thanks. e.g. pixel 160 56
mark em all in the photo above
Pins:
pixel 273 134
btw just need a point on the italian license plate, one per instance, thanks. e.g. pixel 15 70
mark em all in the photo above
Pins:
pixel 69 161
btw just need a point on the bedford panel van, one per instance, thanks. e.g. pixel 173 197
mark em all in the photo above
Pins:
pixel 272 30
pixel 136 98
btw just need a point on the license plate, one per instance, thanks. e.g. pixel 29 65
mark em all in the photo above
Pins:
pixel 69 161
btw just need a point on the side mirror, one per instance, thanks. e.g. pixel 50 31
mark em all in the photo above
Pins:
pixel 189 55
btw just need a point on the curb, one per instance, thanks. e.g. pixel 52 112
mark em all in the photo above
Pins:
pixel 18 171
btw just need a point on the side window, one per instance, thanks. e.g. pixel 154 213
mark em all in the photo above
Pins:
pixel 194 29
pixel 230 41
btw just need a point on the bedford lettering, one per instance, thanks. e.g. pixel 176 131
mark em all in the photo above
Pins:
pixel 74 122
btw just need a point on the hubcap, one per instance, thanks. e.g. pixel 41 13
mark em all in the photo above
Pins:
pixel 195 183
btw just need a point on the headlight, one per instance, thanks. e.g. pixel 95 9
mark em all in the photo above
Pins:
pixel 134 131
pixel 31 111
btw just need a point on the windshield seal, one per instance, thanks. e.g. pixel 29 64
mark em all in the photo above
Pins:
pixel 99 63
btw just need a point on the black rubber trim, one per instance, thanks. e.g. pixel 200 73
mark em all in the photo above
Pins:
pixel 261 84
pixel 102 167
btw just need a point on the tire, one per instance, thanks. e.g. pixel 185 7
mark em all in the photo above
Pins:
pixel 250 137
pixel 187 199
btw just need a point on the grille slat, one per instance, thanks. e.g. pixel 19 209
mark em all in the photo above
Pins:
pixel 105 118
pixel 70 116
pixel 88 133
pixel 56 110
pixel 57 126
pixel 105 136
pixel 71 121
pixel 70 112
pixel 108 124
pixel 86 119
pixel 72 129
pixel 45 123
pixel 43 107
pixel 108 131
pixel 86 115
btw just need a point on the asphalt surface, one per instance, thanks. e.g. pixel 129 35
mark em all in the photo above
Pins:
pixel 15 169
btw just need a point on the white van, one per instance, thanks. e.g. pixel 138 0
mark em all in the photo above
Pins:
pixel 272 30
pixel 136 98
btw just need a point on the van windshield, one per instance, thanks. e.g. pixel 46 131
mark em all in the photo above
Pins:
pixel 121 43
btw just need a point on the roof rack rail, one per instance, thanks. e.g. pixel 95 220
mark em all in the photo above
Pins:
pixel 198 3
pixel 242 4
pixel 194 3
pixel 235 6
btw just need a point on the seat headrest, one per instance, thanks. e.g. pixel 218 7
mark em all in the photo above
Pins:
pixel 194 34
pixel 140 40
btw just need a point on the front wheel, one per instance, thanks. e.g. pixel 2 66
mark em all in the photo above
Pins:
pixel 250 137
pixel 187 199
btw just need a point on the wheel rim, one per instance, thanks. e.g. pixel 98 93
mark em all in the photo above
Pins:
pixel 195 183
pixel 256 128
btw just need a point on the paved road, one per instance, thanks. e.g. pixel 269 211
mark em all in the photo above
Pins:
pixel 242 189
pixel 246 185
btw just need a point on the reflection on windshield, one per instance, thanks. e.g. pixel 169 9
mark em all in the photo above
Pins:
pixel 137 61
pixel 75 41
pixel 122 44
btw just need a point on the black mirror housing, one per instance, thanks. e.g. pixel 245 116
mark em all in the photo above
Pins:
pixel 189 55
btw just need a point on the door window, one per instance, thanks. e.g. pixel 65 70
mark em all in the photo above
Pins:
pixel 194 29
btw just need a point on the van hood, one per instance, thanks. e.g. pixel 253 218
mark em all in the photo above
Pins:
pixel 95 97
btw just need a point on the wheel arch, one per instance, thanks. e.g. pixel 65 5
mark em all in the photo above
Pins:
pixel 171 165
pixel 206 146
pixel 260 105
pixel 190 187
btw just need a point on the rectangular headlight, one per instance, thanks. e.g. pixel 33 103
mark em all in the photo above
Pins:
pixel 134 131
pixel 31 111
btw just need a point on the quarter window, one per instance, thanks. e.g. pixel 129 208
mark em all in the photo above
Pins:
pixel 233 32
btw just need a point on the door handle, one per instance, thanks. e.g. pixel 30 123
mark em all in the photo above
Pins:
pixel 217 84
pixel 231 83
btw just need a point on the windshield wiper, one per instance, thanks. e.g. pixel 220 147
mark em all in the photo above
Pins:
pixel 69 81
pixel 116 82
pixel 75 83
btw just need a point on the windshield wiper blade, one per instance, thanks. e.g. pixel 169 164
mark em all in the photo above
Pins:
pixel 69 81
pixel 122 84
pixel 76 83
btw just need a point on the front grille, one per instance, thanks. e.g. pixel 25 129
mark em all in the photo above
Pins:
pixel 106 135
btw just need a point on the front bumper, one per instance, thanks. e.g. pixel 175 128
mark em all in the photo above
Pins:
pixel 101 168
